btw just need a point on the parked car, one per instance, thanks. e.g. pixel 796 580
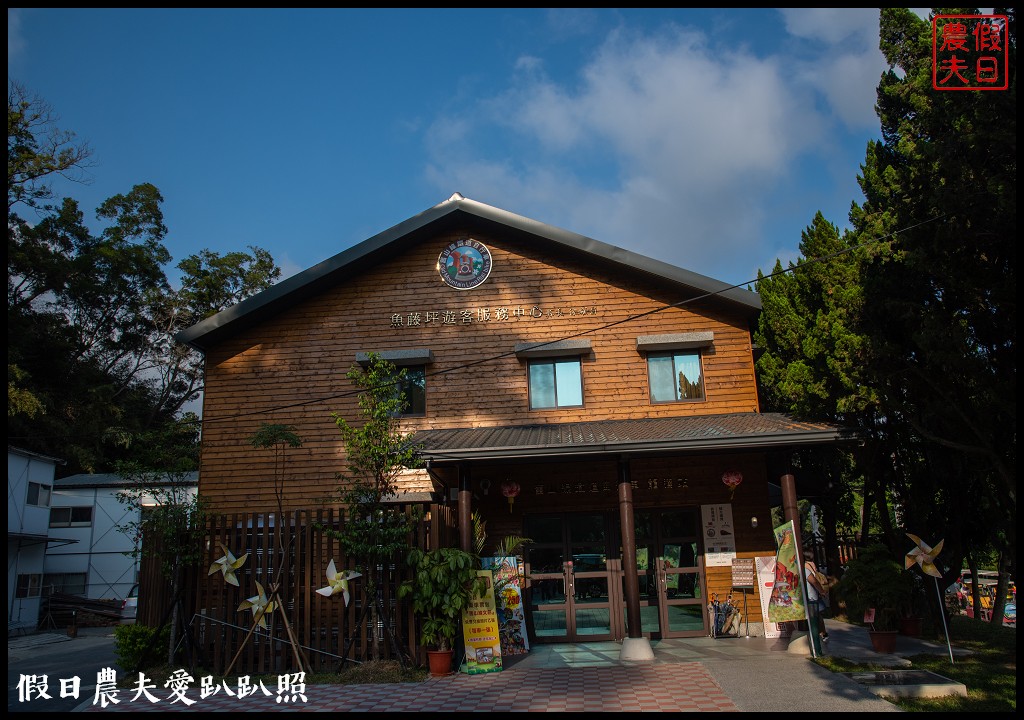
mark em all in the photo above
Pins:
pixel 130 606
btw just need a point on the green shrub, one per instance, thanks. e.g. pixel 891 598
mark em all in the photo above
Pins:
pixel 445 581
pixel 874 579
pixel 138 647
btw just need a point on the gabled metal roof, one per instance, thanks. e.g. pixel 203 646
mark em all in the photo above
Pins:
pixel 455 212
pixel 113 480
pixel 708 433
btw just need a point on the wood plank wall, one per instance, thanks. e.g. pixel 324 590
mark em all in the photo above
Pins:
pixel 292 368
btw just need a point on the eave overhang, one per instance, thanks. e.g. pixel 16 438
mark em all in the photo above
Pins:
pixel 634 438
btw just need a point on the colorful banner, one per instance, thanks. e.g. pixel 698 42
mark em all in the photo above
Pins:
pixel 787 600
pixel 509 602
pixel 480 632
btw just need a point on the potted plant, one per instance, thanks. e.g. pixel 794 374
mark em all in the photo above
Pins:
pixel 910 624
pixel 444 582
pixel 876 588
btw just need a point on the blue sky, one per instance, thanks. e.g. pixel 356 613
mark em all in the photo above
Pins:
pixel 704 138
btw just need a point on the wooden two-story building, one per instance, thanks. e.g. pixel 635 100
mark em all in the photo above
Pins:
pixel 601 403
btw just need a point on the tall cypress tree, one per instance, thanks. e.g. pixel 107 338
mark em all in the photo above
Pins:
pixel 940 297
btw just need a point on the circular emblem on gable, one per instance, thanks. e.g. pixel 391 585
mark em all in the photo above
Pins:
pixel 464 264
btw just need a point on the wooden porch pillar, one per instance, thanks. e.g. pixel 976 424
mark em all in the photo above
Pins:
pixel 465 508
pixel 629 551
pixel 791 511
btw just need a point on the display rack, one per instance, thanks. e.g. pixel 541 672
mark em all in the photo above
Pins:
pixel 743 578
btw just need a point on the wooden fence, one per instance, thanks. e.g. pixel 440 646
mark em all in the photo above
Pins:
pixel 217 633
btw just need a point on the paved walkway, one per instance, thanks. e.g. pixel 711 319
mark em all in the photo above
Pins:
pixel 689 675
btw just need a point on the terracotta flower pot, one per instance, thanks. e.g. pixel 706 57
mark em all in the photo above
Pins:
pixel 910 626
pixel 440 662
pixel 883 641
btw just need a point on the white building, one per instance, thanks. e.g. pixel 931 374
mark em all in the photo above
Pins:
pixel 29 491
pixel 99 565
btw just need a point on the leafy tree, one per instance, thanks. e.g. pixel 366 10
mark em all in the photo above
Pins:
pixel 210 282
pixel 940 298
pixel 92 315
pixel 912 339
pixel 813 364
pixel 813 359
pixel 373 530
pixel 21 401
pixel 169 516
pixel 37 149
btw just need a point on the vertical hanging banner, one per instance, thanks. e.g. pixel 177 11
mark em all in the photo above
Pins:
pixel 508 600
pixel 765 583
pixel 787 601
pixel 480 632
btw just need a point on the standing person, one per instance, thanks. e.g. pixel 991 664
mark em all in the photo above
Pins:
pixel 817 594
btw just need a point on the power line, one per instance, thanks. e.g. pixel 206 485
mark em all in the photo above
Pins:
pixel 348 393
pixel 606 326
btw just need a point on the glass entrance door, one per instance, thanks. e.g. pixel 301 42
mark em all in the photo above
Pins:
pixel 571 595
pixel 670 573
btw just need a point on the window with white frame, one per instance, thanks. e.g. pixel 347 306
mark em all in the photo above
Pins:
pixel 28 585
pixel 66 583
pixel 70 516
pixel 38 494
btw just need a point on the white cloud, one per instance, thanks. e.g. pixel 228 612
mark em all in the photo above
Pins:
pixel 15 40
pixel 832 25
pixel 697 140
pixel 845 61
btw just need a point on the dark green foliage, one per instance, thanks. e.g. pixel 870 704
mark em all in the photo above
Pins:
pixel 874 579
pixel 911 337
pixel 167 516
pixel 940 297
pixel 374 530
pixel 813 362
pixel 92 315
pixel 376 451
pixel 37 150
pixel 444 582
pixel 278 438
pixel 138 647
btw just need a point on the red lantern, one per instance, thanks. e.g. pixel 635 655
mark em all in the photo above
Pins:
pixel 732 478
pixel 510 489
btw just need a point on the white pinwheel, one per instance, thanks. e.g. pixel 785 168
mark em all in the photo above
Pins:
pixel 338 582
pixel 924 556
pixel 227 565
pixel 261 606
